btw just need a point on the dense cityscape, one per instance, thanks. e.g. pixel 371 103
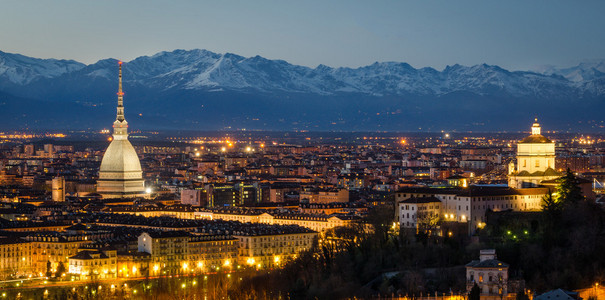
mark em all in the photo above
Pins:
pixel 202 150
pixel 216 214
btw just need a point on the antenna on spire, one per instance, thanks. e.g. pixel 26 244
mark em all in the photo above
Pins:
pixel 120 114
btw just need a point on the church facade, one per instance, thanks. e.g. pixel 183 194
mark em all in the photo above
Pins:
pixel 535 160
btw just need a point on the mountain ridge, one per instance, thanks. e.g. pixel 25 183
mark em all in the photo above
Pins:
pixel 219 86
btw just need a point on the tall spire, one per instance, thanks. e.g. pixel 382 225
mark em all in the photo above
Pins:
pixel 120 126
pixel 120 116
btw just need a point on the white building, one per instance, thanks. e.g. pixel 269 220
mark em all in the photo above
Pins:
pixel 490 274
pixel 470 205
pixel 535 160
pixel 416 212
pixel 94 264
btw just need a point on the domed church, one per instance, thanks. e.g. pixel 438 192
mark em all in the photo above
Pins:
pixel 120 174
pixel 535 160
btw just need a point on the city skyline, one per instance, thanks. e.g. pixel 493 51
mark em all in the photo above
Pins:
pixel 302 150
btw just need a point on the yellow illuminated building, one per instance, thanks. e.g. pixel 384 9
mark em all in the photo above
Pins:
pixel 54 249
pixel 182 253
pixel 535 160
pixel 271 250
pixel 206 253
pixel 15 258
pixel 94 264
pixel 168 249
pixel 318 223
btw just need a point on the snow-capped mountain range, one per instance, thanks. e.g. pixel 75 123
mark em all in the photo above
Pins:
pixel 184 76
pixel 205 70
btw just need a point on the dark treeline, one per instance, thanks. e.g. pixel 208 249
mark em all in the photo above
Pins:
pixel 561 248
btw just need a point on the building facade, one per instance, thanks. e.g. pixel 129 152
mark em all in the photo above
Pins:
pixel 92 264
pixel 490 274
pixel 535 160
pixel 470 205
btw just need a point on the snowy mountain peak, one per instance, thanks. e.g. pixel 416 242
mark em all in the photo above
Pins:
pixel 19 69
pixel 585 71
pixel 205 70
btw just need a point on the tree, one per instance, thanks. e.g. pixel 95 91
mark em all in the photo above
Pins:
pixel 60 270
pixel 48 269
pixel 568 192
pixel 550 204
pixel 475 293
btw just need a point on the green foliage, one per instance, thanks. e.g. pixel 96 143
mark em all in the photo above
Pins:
pixel 60 270
pixel 48 269
pixel 551 205
pixel 568 191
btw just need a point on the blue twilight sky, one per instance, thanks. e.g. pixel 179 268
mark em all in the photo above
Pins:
pixel 514 34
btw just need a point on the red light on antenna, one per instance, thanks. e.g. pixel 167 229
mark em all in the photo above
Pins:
pixel 120 62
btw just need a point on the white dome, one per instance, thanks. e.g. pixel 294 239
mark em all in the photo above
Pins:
pixel 120 157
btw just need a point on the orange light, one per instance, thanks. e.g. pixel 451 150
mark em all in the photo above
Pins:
pixel 109 139
pixel 119 62
pixel 403 142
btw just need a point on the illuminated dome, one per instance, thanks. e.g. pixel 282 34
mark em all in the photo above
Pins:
pixel 536 136
pixel 535 139
pixel 120 157
pixel 120 174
